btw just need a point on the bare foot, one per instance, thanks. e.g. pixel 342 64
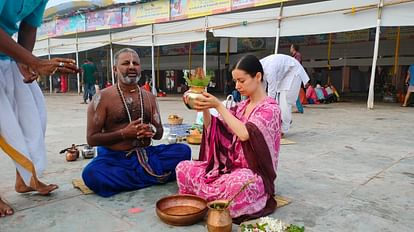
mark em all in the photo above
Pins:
pixel 20 186
pixel 35 185
pixel 5 209
pixel 42 188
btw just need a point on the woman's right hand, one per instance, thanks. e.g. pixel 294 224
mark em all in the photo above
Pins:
pixel 44 67
pixel 206 101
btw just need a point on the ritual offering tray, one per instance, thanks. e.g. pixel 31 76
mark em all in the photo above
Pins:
pixel 181 209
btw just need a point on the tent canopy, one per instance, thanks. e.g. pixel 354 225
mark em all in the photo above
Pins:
pixel 305 19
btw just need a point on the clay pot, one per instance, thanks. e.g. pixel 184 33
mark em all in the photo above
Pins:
pixel 218 218
pixel 72 153
pixel 191 94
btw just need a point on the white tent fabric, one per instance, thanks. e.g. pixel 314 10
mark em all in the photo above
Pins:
pixel 87 43
pixel 40 48
pixel 62 46
pixel 321 23
pixel 302 19
pixel 260 23
pixel 398 15
pixel 141 36
pixel 179 32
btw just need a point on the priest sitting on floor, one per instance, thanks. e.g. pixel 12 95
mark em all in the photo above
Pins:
pixel 122 121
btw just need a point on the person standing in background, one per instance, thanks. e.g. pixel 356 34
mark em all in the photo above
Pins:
pixel 89 80
pixel 409 80
pixel 294 51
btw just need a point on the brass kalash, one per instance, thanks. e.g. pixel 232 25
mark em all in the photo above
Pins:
pixel 72 153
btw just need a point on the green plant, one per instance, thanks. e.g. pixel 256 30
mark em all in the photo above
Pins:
pixel 198 79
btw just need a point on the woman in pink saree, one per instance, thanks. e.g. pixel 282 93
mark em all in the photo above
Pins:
pixel 240 145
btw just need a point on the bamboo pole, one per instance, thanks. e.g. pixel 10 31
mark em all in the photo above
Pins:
pixel 397 50
pixel 112 58
pixel 279 21
pixel 158 65
pixel 189 58
pixel 205 49
pixel 228 51
pixel 370 101
pixel 48 56
pixel 154 88
pixel 77 61
pixel 329 57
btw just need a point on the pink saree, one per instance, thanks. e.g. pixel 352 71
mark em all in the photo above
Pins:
pixel 226 163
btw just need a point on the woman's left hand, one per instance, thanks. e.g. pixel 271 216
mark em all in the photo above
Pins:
pixel 206 101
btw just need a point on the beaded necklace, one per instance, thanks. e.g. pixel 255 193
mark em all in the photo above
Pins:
pixel 126 106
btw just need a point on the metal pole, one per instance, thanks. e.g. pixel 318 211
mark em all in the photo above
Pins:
pixel 205 49
pixel 154 89
pixel 48 56
pixel 370 102
pixel 112 58
pixel 77 62
pixel 279 19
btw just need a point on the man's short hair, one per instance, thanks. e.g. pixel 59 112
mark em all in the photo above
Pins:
pixel 123 50
pixel 296 47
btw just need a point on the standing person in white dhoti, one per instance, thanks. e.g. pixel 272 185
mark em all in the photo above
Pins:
pixel 23 113
pixel 283 76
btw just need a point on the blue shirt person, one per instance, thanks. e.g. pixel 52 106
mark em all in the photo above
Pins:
pixel 20 95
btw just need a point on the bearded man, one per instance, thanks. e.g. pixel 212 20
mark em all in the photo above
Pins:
pixel 122 121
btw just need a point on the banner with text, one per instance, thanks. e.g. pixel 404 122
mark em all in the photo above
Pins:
pixel 71 25
pixel 47 29
pixel 182 9
pixel 146 13
pixel 103 19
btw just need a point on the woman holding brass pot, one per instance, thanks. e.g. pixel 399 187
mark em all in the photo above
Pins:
pixel 240 145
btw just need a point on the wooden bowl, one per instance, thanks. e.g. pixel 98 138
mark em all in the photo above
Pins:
pixel 181 210
pixel 194 139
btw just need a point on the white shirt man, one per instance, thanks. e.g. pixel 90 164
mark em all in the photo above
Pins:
pixel 283 76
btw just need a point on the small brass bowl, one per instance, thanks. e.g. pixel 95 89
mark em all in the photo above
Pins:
pixel 181 210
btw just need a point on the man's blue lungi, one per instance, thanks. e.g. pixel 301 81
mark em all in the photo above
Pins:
pixel 112 172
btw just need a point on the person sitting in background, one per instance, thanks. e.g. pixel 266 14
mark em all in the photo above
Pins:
pixel 330 94
pixel 319 92
pixel 122 121
pixel 240 146
pixel 311 94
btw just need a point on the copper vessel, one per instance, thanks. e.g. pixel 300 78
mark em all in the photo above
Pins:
pixel 181 210
pixel 218 217
pixel 72 153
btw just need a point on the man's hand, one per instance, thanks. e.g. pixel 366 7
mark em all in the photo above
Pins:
pixel 144 131
pixel 46 67
pixel 28 74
